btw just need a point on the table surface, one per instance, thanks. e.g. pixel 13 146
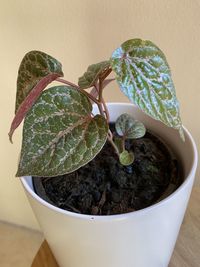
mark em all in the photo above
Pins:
pixel 187 250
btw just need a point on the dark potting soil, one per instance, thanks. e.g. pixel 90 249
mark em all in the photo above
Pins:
pixel 105 187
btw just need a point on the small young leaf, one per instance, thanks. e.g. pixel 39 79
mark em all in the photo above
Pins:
pixel 126 158
pixel 144 76
pixel 92 74
pixel 34 66
pixel 59 133
pixel 128 127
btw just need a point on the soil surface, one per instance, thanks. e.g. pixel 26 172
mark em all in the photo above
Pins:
pixel 105 187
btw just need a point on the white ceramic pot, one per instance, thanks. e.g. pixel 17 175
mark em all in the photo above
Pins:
pixel 144 238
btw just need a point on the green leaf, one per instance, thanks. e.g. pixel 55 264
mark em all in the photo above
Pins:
pixel 34 66
pixel 93 72
pixel 128 127
pixel 126 158
pixel 59 134
pixel 144 76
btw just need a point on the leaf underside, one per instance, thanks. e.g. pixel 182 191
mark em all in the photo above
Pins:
pixel 59 134
pixel 93 72
pixel 143 75
pixel 29 101
pixel 34 66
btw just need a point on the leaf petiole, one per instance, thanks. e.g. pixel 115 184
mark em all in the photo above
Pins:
pixel 79 89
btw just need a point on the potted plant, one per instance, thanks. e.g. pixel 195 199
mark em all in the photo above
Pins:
pixel 64 134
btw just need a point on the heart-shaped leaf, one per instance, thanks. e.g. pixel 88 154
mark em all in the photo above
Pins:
pixel 35 66
pixel 144 76
pixel 126 158
pixel 60 135
pixel 128 127
pixel 93 72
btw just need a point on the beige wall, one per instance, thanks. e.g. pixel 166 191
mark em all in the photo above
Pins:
pixel 81 32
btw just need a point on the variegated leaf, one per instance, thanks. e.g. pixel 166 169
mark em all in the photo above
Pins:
pixel 92 74
pixel 144 76
pixel 35 66
pixel 60 135
pixel 128 127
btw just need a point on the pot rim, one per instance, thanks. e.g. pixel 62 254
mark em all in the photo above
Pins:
pixel 124 215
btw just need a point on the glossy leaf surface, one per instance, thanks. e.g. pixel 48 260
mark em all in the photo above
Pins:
pixel 144 77
pixel 59 134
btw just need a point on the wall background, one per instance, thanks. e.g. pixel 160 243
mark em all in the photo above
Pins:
pixel 82 32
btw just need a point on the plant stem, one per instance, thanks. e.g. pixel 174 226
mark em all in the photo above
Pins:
pixel 123 142
pixel 79 89
pixel 67 82
pixel 106 110
pixel 100 90
pixel 110 139
pixel 102 77
pixel 100 107
pixel 101 100
pixel 106 73
pixel 89 96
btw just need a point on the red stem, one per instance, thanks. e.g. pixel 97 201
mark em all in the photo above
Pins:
pixel 67 82
pixel 79 89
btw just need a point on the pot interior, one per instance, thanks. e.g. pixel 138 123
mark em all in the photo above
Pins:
pixel 185 151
